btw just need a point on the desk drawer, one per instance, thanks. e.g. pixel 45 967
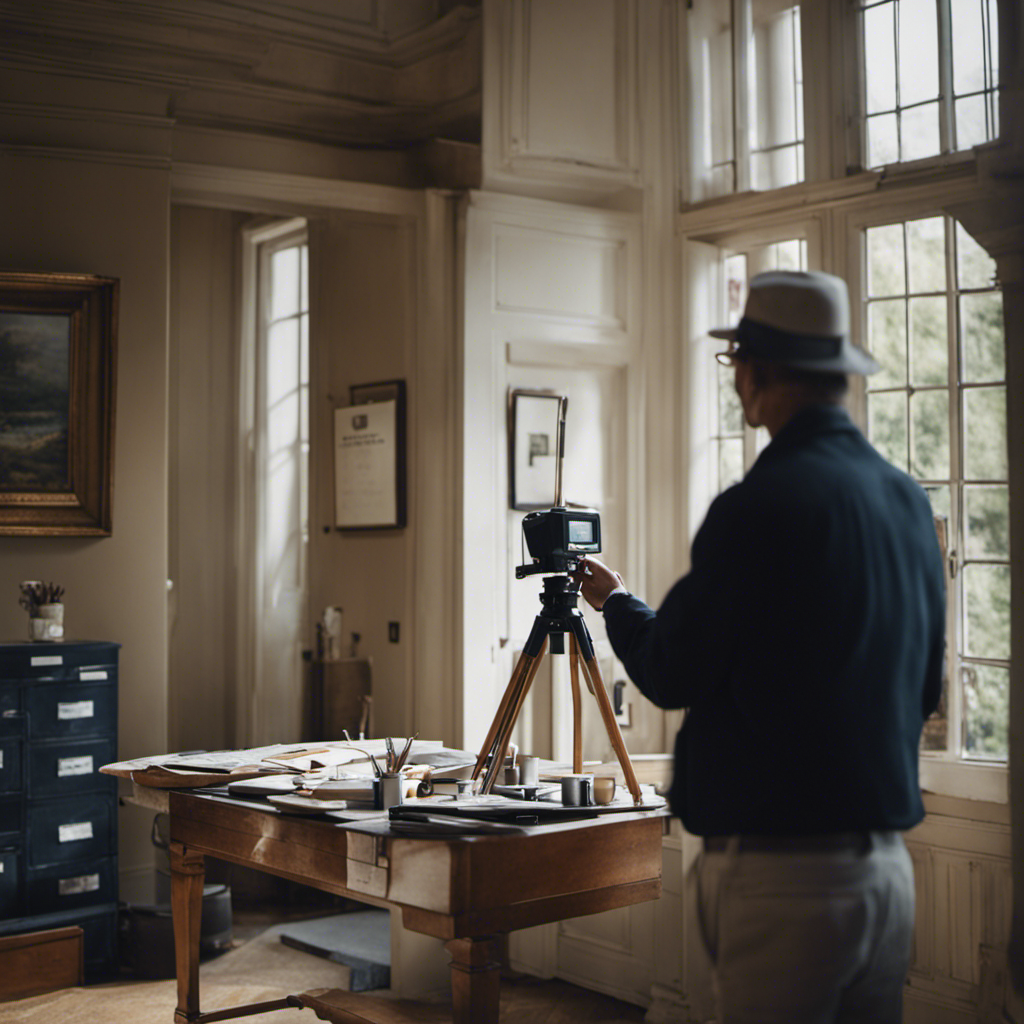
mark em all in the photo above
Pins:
pixel 10 882
pixel 81 828
pixel 73 708
pixel 69 886
pixel 63 768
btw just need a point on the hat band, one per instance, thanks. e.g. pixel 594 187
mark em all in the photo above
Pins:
pixel 760 341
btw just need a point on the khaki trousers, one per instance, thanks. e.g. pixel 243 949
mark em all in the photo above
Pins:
pixel 808 937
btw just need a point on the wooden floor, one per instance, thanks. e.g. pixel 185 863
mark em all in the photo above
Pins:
pixel 525 999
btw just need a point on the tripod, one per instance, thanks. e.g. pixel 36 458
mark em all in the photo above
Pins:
pixel 558 616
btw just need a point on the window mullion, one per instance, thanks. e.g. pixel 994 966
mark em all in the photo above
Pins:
pixel 947 140
pixel 954 616
pixel 742 21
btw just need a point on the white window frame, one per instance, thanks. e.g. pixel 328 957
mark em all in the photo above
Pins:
pixel 251 718
pixel 857 135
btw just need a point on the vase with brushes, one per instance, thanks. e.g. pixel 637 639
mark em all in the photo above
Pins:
pixel 45 609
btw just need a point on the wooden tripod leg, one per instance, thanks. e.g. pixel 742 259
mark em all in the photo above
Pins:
pixel 577 702
pixel 612 727
pixel 505 732
pixel 518 674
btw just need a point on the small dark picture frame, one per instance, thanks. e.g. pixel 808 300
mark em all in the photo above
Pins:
pixel 58 359
pixel 369 458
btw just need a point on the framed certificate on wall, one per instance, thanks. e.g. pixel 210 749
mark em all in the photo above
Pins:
pixel 369 458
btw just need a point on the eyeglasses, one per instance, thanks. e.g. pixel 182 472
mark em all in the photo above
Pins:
pixel 731 356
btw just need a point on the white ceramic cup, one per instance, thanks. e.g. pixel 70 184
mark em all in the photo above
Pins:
pixel 604 789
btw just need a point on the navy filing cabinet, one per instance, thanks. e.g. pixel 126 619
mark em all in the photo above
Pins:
pixel 58 814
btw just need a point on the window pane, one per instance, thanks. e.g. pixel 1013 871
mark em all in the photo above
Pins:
pixel 775 95
pixel 986 711
pixel 919 132
pixel 887 342
pixel 777 168
pixel 974 267
pixel 929 416
pixel 882 140
pixel 926 255
pixel 918 51
pixel 282 360
pixel 929 341
pixel 887 426
pixel 939 498
pixel 971 129
pixel 730 412
pixel 885 261
pixel 880 57
pixel 711 73
pixel 987 611
pixel 730 462
pixel 985 433
pixel 987 522
pixel 787 255
pixel 981 327
pixel 284 276
pixel 968 46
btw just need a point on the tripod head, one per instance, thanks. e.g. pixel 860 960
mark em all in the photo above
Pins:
pixel 556 537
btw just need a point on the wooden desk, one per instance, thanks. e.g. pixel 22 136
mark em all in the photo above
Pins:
pixel 463 889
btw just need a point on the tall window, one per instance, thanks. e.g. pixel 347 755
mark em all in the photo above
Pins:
pixel 930 77
pixel 278 400
pixel 746 96
pixel 937 409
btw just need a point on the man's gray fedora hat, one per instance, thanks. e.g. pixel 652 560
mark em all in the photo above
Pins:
pixel 799 319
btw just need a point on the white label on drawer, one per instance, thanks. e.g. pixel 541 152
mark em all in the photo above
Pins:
pixel 78 830
pixel 75 709
pixel 73 886
pixel 74 766
pixel 47 659
pixel 97 674
pixel 1 759
pixel 1 867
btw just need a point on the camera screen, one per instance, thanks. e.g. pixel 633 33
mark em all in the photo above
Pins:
pixel 581 531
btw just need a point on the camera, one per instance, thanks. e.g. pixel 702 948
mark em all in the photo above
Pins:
pixel 556 537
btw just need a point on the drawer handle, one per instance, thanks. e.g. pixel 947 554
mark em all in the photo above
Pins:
pixel 77 830
pixel 74 766
pixel 75 709
pixel 74 886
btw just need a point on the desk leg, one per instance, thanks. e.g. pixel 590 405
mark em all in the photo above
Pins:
pixel 476 973
pixel 187 874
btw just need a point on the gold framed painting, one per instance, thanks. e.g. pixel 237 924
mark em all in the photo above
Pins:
pixel 58 353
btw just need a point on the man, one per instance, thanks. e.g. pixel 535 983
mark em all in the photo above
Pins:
pixel 806 643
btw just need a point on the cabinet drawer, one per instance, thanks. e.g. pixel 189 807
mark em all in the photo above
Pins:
pixel 10 698
pixel 65 768
pixel 10 882
pixel 81 828
pixel 12 821
pixel 34 661
pixel 73 708
pixel 67 886
pixel 10 764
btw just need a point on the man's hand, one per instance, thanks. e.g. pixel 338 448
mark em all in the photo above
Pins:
pixel 596 581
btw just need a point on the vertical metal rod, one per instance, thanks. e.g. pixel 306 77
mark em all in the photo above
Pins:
pixel 563 405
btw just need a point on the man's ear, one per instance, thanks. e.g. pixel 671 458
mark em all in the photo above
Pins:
pixel 759 375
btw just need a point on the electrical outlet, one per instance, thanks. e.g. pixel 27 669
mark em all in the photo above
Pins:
pixel 623 716
pixel 393 632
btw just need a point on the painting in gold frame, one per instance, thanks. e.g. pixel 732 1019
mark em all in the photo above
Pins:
pixel 58 353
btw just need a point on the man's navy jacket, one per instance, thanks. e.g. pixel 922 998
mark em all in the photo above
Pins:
pixel 806 642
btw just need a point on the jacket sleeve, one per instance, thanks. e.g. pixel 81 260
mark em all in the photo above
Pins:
pixel 680 652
